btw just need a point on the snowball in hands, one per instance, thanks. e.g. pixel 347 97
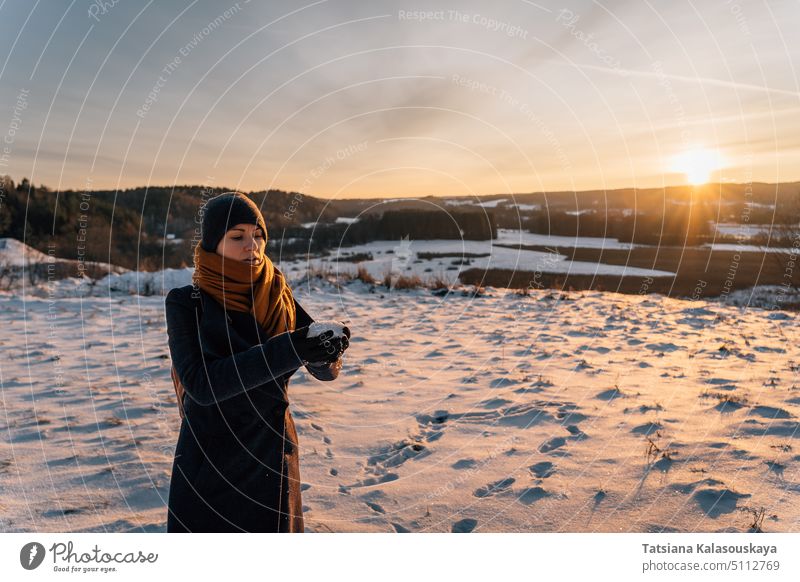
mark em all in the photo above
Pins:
pixel 319 327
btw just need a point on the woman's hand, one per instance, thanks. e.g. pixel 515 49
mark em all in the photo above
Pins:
pixel 344 342
pixel 321 349
pixel 340 344
pixel 315 349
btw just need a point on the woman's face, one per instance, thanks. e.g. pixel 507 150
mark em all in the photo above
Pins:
pixel 243 242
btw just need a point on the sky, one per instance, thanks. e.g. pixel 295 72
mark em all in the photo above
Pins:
pixel 345 99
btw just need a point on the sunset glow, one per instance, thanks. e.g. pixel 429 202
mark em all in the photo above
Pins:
pixel 697 164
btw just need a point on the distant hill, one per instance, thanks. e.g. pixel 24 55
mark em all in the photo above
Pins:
pixel 728 199
pixel 152 228
pixel 140 228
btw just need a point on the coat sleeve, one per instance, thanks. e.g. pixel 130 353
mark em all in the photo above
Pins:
pixel 208 380
pixel 325 372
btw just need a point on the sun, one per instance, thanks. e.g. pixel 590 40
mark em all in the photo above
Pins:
pixel 697 164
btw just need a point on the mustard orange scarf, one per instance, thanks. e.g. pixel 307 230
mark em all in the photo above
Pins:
pixel 238 286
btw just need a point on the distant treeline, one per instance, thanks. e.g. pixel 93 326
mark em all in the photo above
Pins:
pixel 668 222
pixel 675 225
pixel 460 224
pixel 390 225
pixel 755 203
pixel 156 227
pixel 129 228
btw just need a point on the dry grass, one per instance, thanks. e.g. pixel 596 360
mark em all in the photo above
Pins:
pixel 724 397
pixel 654 452
pixel 326 272
pixel 390 280
pixel 437 282
pixel 476 291
pixel 362 274
pixel 407 282
pixel 757 520
pixel 399 282
pixel 322 271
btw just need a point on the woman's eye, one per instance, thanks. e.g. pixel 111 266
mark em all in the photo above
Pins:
pixel 236 238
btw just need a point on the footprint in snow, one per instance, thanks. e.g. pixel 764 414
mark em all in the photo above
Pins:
pixel 494 488
pixel 370 481
pixel 532 495
pixel 375 507
pixel 465 525
pixel 464 464
pixel 542 470
pixel 552 444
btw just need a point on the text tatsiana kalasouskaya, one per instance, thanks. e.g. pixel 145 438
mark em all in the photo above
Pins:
pixel 709 549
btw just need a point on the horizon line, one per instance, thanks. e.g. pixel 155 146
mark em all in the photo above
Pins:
pixel 443 196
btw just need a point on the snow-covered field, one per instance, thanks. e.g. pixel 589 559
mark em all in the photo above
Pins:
pixel 403 257
pixel 14 253
pixel 582 412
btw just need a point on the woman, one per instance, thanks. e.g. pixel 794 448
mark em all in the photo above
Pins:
pixel 236 336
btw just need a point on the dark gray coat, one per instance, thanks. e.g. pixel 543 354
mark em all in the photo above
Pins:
pixel 236 466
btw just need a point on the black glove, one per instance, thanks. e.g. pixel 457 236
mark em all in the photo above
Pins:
pixel 315 349
pixel 335 347
pixel 344 342
pixel 340 344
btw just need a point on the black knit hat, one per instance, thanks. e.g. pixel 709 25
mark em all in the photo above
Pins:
pixel 225 211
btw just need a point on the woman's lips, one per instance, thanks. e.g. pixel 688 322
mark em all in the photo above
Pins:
pixel 253 261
